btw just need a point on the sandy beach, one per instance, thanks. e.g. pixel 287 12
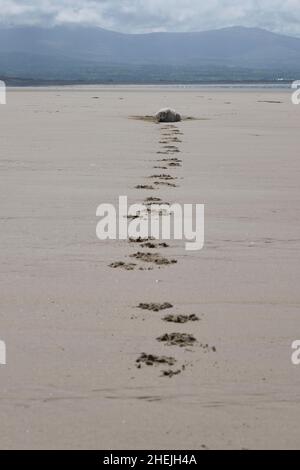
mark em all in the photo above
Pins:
pixel 71 323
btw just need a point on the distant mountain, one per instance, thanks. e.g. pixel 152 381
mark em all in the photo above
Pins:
pixel 91 54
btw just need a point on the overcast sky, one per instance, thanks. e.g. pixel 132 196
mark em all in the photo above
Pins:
pixel 157 15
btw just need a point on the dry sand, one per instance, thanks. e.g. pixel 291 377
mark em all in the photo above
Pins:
pixel 70 322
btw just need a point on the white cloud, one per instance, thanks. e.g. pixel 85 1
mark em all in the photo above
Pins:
pixel 156 15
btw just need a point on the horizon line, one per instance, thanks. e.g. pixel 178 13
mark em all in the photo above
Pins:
pixel 147 33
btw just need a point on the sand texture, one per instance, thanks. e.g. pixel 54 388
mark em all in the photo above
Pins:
pixel 114 345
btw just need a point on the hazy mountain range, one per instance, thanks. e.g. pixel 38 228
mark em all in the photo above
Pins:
pixel 90 54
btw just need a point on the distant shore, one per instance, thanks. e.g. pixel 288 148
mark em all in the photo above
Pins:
pixel 148 82
pixel 230 86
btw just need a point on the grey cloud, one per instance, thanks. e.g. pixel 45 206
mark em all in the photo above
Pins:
pixel 156 15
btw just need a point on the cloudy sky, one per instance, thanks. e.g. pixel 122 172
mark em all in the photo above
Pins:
pixel 157 15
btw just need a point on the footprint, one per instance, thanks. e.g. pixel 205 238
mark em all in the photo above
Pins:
pixel 140 240
pixel 152 199
pixel 152 245
pixel 165 183
pixel 170 373
pixel 151 360
pixel 163 176
pixel 132 217
pixel 171 147
pixel 171 159
pixel 155 258
pixel 155 307
pixel 180 318
pixel 171 133
pixel 156 211
pixel 156 203
pixel 168 151
pixel 121 264
pixel 173 164
pixel 144 186
pixel 208 348
pixel 177 339
pixel 169 138
pixel 169 126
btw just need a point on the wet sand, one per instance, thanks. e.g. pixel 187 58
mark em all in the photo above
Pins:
pixel 190 354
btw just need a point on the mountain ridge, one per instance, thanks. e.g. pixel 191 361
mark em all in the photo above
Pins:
pixel 79 52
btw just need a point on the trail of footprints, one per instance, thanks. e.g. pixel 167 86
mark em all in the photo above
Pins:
pixel 148 260
pixel 183 340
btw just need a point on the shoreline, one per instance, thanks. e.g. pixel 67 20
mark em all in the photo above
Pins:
pixel 157 87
